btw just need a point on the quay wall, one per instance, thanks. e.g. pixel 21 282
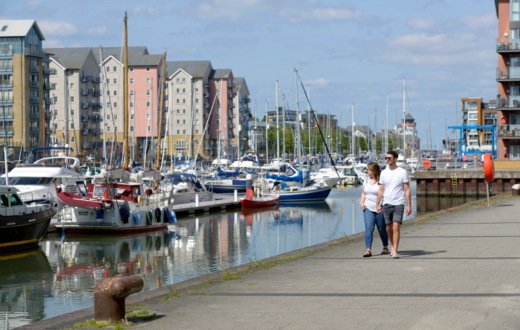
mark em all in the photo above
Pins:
pixel 464 182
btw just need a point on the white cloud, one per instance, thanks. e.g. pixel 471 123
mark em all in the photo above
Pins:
pixel 97 31
pixel 227 9
pixel 319 82
pixel 144 11
pixel 421 24
pixel 299 14
pixel 57 28
pixel 480 22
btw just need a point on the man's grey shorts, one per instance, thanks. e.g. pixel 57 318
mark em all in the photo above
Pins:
pixel 393 213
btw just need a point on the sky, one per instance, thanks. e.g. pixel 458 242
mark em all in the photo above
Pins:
pixel 352 56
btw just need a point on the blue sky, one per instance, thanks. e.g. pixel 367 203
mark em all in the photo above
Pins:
pixel 346 52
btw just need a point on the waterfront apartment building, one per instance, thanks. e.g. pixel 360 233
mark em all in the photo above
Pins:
pixel 189 105
pixel 476 112
pixel 24 85
pixel 242 116
pixel 87 110
pixel 221 129
pixel 75 114
pixel 508 79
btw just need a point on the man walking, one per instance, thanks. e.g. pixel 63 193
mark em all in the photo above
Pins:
pixel 394 192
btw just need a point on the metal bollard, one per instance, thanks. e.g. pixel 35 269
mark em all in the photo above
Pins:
pixel 110 294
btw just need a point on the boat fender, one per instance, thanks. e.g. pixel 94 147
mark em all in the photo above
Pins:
pixel 136 217
pixel 173 217
pixel 158 215
pixel 139 200
pixel 124 212
pixel 149 217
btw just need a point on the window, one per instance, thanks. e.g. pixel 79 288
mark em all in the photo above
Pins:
pixel 115 93
pixel 115 81
pixel 515 10
pixel 115 69
pixel 148 128
pixel 147 104
pixel 183 110
pixel 131 80
pixel 132 92
pixel 72 99
pixel 71 125
pixel 115 104
pixel 108 69
pixel 147 68
pixel 108 92
pixel 148 92
pixel 148 81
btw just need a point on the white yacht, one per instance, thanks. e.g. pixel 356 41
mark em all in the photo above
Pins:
pixel 38 180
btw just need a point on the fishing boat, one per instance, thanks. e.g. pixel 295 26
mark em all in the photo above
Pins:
pixel 259 201
pixel 22 222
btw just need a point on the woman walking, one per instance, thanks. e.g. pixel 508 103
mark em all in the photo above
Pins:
pixel 369 206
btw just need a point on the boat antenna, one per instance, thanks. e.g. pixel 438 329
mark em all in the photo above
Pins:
pixel 126 147
pixel 316 121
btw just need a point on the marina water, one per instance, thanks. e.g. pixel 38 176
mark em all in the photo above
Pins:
pixel 60 277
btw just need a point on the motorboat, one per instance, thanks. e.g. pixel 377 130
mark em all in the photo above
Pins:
pixel 329 176
pixel 23 221
pixel 114 208
pixel 259 201
pixel 185 188
pixel 40 179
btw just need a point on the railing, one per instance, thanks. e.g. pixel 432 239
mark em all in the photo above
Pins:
pixel 509 131
pixel 509 45
pixel 511 72
pixel 509 102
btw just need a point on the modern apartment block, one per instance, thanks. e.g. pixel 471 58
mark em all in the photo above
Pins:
pixel 24 85
pixel 242 114
pixel 221 129
pixel 476 112
pixel 87 96
pixel 508 78
pixel 189 105
pixel 75 111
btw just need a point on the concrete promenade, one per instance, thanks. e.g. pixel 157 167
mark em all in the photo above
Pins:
pixel 458 269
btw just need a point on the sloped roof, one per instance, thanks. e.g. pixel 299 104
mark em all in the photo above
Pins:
pixel 221 74
pixel 197 69
pixel 134 53
pixel 18 28
pixel 69 58
pixel 240 85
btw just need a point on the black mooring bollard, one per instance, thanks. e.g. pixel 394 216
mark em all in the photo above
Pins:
pixel 110 294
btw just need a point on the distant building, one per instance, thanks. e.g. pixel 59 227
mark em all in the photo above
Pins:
pixel 407 131
pixel 475 113
pixel 24 85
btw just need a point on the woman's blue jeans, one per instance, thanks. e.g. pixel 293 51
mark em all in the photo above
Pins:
pixel 373 219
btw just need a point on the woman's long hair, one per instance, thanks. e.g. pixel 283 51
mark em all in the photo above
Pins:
pixel 374 168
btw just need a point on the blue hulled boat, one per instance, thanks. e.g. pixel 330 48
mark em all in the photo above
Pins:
pixel 303 195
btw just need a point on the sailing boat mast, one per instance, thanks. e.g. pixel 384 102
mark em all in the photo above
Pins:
pixel 161 112
pixel 126 148
pixel 277 124
pixel 404 119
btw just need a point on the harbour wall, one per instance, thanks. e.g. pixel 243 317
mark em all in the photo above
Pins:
pixel 464 182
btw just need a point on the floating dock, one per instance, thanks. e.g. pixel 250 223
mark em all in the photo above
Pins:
pixel 219 203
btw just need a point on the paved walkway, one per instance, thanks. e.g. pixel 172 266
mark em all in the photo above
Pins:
pixel 458 270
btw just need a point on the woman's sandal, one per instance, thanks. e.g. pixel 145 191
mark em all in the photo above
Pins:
pixel 385 251
pixel 367 254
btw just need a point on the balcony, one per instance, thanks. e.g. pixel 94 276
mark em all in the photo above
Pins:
pixel 509 103
pixel 508 46
pixel 511 73
pixel 509 131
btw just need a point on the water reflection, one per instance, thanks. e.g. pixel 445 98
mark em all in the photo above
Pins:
pixel 24 282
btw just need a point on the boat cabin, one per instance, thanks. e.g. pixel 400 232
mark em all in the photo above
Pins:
pixel 121 191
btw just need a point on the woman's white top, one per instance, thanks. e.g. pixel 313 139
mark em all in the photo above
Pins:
pixel 370 191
